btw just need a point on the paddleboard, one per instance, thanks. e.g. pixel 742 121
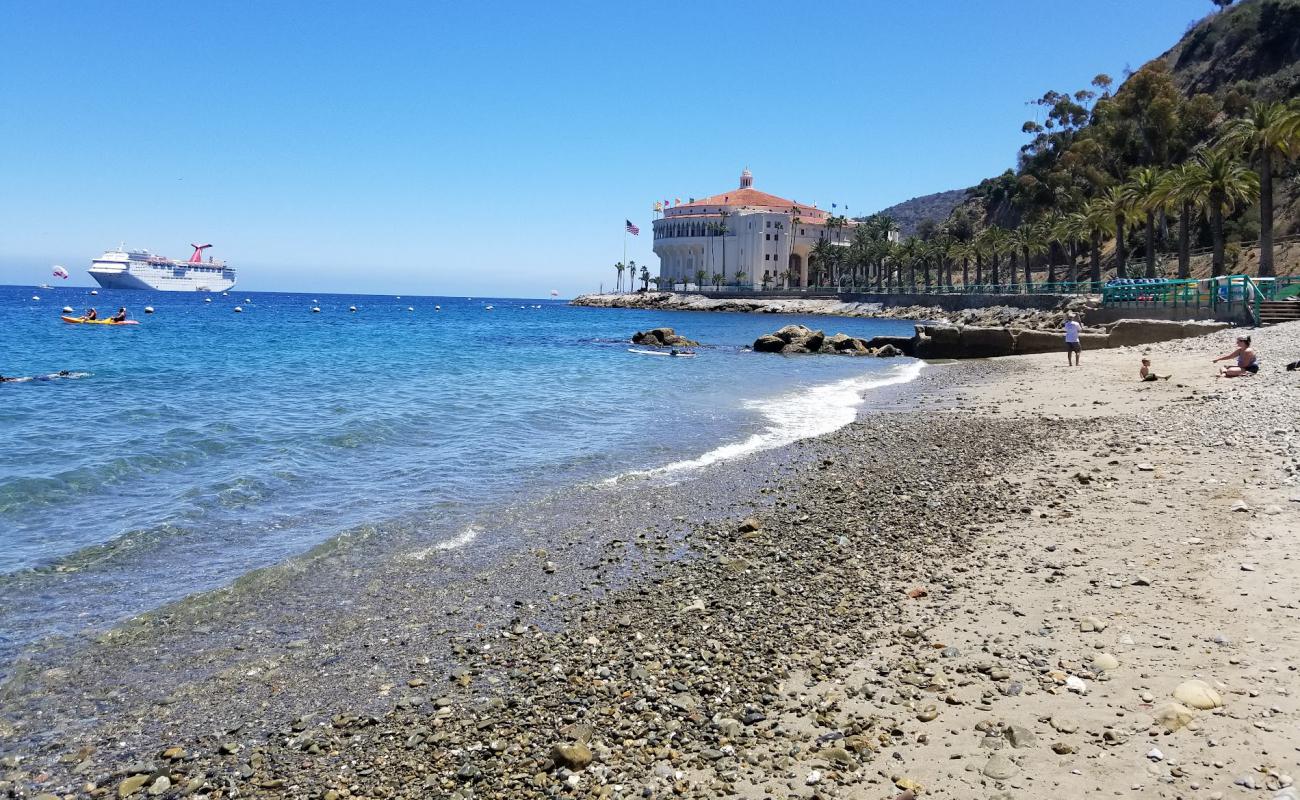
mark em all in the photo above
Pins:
pixel 84 321
pixel 659 353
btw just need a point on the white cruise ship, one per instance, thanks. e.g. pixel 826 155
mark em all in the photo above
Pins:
pixel 140 269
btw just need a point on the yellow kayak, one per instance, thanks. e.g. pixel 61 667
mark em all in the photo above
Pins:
pixel 84 321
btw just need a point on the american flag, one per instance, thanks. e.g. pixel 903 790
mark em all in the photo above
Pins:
pixel 632 229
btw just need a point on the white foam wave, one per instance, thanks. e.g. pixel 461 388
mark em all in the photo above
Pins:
pixel 802 415
pixel 456 542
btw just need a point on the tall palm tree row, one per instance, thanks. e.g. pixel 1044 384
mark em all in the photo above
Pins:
pixel 1266 134
pixel 1225 183
pixel 1117 200
pixel 1099 218
pixel 1181 190
pixel 1142 195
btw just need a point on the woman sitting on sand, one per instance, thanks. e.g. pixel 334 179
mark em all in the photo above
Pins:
pixel 1246 360
pixel 1147 374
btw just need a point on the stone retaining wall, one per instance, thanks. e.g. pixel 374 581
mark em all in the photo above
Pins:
pixel 953 341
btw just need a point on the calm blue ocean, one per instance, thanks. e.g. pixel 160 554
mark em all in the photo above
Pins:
pixel 203 443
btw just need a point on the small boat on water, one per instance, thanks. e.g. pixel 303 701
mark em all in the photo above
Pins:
pixel 669 353
pixel 84 321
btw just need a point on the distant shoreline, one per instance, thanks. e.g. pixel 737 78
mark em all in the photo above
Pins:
pixel 992 316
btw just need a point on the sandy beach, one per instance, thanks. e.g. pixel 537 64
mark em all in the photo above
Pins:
pixel 1016 579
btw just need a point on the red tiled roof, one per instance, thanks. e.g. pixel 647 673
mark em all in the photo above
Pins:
pixel 748 197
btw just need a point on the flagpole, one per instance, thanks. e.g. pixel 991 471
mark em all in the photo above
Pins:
pixel 624 245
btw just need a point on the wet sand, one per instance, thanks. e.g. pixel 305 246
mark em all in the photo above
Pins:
pixel 920 600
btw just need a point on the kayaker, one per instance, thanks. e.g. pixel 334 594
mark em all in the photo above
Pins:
pixel 120 316
pixel 92 314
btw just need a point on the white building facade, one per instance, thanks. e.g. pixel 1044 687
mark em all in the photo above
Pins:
pixel 754 240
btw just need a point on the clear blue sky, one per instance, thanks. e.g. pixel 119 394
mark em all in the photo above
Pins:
pixel 496 148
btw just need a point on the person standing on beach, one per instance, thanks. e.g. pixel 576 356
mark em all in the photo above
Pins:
pixel 1073 348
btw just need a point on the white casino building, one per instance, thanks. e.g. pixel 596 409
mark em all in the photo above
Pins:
pixel 764 235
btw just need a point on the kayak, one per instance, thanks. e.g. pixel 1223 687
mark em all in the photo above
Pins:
pixel 84 321
pixel 660 353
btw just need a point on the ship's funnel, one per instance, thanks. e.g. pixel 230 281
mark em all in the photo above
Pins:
pixel 197 258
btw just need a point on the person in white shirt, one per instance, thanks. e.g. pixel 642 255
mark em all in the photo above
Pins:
pixel 1073 349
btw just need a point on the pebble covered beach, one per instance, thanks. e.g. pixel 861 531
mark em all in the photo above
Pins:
pixel 1018 579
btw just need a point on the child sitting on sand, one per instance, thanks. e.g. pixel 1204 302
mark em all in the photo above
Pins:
pixel 1147 374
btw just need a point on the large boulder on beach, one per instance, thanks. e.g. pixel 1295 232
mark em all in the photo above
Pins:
pixel 769 343
pixel 903 344
pixel 941 334
pixel 843 343
pixel 1202 327
pixel 1131 332
pixel 971 343
pixel 1028 342
pixel 662 337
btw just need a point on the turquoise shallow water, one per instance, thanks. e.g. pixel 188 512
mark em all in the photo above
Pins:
pixel 203 443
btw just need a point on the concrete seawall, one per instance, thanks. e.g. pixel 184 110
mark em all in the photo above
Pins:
pixel 955 341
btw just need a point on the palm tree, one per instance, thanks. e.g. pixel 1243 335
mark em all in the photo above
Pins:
pixel 993 242
pixel 722 231
pixel 1117 199
pixel 1071 231
pixel 619 267
pixel 979 248
pixel 822 253
pixel 740 277
pixel 1028 239
pixel 645 278
pixel 941 244
pixel 1143 193
pixel 961 251
pixel 1100 220
pixel 1225 183
pixel 631 274
pixel 1267 132
pixel 1180 189
pixel 700 276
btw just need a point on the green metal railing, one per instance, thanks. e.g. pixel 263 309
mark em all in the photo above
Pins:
pixel 1075 287
pixel 1238 295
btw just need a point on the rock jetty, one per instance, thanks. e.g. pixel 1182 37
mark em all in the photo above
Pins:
pixel 993 316
pixel 797 339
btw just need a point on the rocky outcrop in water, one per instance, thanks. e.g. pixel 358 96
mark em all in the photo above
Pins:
pixel 662 337
pixel 799 339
